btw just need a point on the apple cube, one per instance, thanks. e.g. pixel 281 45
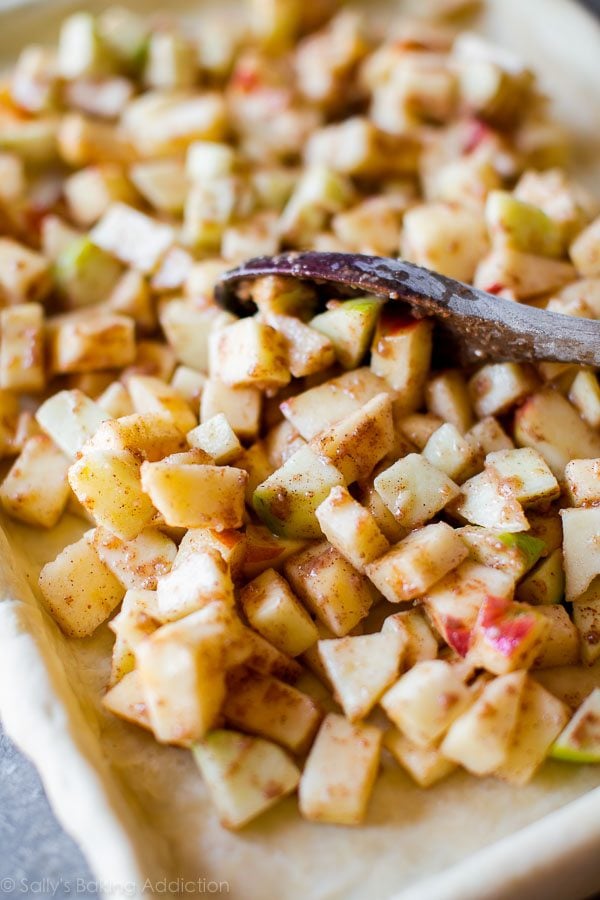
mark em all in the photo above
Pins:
pixel 132 237
pixel 340 772
pixel 318 408
pixel 581 549
pixel 487 435
pixel 36 489
pixel 497 387
pixel 540 720
pixel 191 495
pixel 416 563
pixel 249 354
pixel 525 474
pixel 108 486
pixel 199 579
pixel 275 612
pixel 425 765
pixel 79 591
pixel 357 443
pixel 126 700
pixel 182 668
pixel 546 583
pixel 187 327
pixel 351 528
pixel 240 406
pixel 420 641
pixel 266 659
pixel 550 424
pixel 561 646
pixel 584 250
pixel 483 501
pixel 414 490
pixel 70 419
pixel 583 481
pixel 580 740
pixel 115 400
pixel 326 582
pixel 584 394
pixel 454 602
pixel 586 616
pixel 426 700
pixel 98 340
pixel 514 223
pixel 307 350
pixel 138 563
pixel 229 543
pixel 244 775
pixel 190 384
pixel 262 705
pixel 361 668
pixel 514 554
pixel 446 238
pixel 265 550
pixel 349 326
pixel 419 427
pixel 217 438
pixel 151 395
pixel 452 453
pixel 525 275
pixel 401 353
pixel 22 348
pixel 147 436
pixel 480 739
pixel 287 500
pixel 507 636
pixel 24 274
pixel 447 396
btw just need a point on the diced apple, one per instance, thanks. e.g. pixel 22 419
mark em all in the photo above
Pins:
pixel 132 237
pixel 361 668
pixel 414 490
pixel 126 700
pixel 548 423
pixel 586 616
pixel 79 591
pixel 584 394
pixel 482 501
pixel 80 48
pixel 340 772
pixel 355 444
pixel 481 738
pixel 454 602
pixel 488 436
pixel 318 194
pixel 523 274
pixel 350 528
pixel 241 407
pixel 583 481
pixel 497 387
pixel 24 274
pixel 335 592
pixel 321 407
pixel 507 636
pixel 449 239
pixel 86 343
pixel 137 563
pixel 275 612
pixel 36 489
pixel 522 226
pixel 171 61
pixel 447 396
pixel 540 720
pixel 108 486
pixel 287 500
pixel 151 395
pixel 349 326
pixel 401 353
pixel 164 123
pixel 307 350
pixel 187 327
pixel 194 495
pixel 217 438
pixel 266 659
pixel 546 583
pixel 580 740
pixel 148 435
pixel 244 775
pixel 585 250
pixel 22 366
pixel 426 700
pixel 452 453
pixel 189 383
pixel 561 646
pixel 525 474
pixel 70 419
pixel 581 549
pixel 249 354
pixel 271 709
pixel 265 550
pixel 514 554
pixel 412 566
pixel 425 764
pixel 420 642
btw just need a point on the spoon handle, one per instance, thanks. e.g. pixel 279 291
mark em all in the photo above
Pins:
pixel 482 326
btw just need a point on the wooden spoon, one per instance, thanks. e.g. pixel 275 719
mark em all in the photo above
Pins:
pixel 479 327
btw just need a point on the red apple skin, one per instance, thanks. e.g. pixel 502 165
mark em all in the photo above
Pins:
pixel 457 635
pixel 505 635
